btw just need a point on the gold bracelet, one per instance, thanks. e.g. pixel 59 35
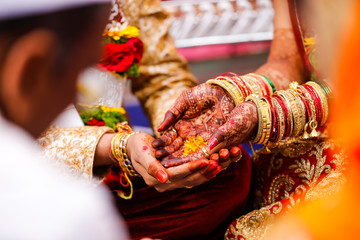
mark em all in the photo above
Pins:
pixel 118 149
pixel 312 124
pixel 302 112
pixel 225 78
pixel 296 113
pixel 264 81
pixel 235 95
pixel 290 120
pixel 126 163
pixel 281 114
pixel 255 88
pixel 253 98
pixel 264 116
pixel 266 111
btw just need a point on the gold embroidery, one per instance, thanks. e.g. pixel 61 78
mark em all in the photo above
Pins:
pixel 73 146
pixel 254 225
pixel 280 181
pixel 313 185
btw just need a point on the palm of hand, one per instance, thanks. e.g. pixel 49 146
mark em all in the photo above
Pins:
pixel 201 111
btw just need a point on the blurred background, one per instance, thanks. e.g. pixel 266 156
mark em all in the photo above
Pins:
pixel 215 36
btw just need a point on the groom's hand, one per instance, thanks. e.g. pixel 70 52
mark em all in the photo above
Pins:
pixel 142 155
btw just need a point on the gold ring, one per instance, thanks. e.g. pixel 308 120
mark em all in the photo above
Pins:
pixel 238 158
pixel 188 187
pixel 205 152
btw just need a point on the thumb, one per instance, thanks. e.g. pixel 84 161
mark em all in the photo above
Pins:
pixel 157 171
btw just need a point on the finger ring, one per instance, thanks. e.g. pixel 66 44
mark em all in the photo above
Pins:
pixel 238 158
pixel 168 181
pixel 205 152
pixel 173 129
pixel 188 187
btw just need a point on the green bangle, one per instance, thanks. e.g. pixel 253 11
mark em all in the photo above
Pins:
pixel 270 82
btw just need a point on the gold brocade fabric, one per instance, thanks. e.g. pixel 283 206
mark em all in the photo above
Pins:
pixel 73 146
pixel 164 73
pixel 293 172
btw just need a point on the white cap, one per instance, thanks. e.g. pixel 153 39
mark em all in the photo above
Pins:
pixel 10 9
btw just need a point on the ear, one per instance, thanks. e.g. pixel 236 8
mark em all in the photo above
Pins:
pixel 25 72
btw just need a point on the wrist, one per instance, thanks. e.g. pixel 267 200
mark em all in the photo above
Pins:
pixel 103 155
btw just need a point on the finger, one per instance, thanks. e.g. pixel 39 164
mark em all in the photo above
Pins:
pixel 235 154
pixel 157 171
pixel 179 172
pixel 224 155
pixel 176 154
pixel 174 146
pixel 215 157
pixel 166 139
pixel 183 159
pixel 174 113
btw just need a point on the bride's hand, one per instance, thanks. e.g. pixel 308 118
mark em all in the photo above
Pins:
pixel 200 111
pixel 238 128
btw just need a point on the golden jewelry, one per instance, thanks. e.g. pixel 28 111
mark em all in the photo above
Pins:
pixel 323 101
pixel 281 123
pixel 205 152
pixel 290 119
pixel 235 95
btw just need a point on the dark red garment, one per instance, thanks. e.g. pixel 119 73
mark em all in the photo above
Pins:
pixel 202 212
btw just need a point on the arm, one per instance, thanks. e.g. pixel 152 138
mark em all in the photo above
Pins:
pixel 284 64
pixel 164 73
pixel 76 147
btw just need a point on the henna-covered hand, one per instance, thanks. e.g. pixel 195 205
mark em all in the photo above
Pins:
pixel 239 127
pixel 199 111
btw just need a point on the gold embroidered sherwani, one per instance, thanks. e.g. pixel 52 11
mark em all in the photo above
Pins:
pixel 164 75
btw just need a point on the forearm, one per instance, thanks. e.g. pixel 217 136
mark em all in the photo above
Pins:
pixel 75 147
pixel 284 64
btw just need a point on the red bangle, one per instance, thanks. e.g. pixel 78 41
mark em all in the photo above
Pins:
pixel 286 113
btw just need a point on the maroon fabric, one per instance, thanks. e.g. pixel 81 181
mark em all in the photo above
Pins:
pixel 203 212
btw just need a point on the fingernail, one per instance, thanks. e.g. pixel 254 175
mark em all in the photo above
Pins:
pixel 204 164
pixel 213 143
pixel 212 166
pixel 161 176
pixel 218 169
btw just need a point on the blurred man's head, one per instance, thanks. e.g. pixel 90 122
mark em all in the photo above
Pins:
pixel 41 56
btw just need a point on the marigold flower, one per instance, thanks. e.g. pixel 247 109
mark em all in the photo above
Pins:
pixel 193 144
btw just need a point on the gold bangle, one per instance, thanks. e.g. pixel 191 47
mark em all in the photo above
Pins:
pixel 264 81
pixel 281 123
pixel 296 113
pixel 302 112
pixel 266 111
pixel 290 119
pixel 235 95
pixel 253 98
pixel 254 85
pixel 225 78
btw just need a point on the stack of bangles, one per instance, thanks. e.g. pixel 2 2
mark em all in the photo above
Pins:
pixel 118 149
pixel 239 87
pixel 282 114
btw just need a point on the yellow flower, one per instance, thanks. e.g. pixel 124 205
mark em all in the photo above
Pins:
pixel 113 109
pixel 192 145
pixel 128 32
